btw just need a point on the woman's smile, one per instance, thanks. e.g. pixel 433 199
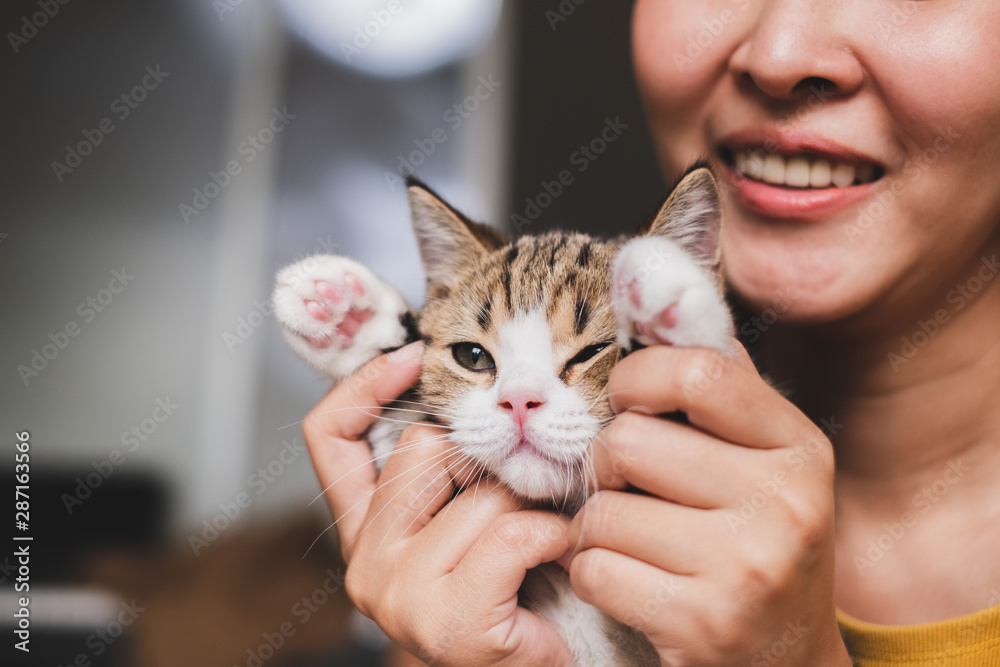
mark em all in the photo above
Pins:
pixel 795 175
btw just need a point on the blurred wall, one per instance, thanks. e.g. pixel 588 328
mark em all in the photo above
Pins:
pixel 143 336
pixel 137 271
pixel 162 160
pixel 574 79
pixel 137 275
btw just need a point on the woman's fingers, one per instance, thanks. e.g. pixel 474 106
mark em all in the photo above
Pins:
pixel 453 530
pixel 685 542
pixel 670 460
pixel 444 580
pixel 735 536
pixel 414 485
pixel 719 394
pixel 343 463
pixel 630 590
pixel 352 405
pixel 512 544
pixel 535 641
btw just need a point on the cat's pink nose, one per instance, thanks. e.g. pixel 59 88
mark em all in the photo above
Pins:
pixel 520 403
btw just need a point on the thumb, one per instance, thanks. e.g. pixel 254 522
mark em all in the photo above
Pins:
pixel 536 641
pixel 378 382
pixel 343 463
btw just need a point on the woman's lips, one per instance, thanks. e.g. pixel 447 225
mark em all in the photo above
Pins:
pixel 775 201
pixel 814 178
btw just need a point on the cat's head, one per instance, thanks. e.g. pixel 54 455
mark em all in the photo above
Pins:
pixel 521 336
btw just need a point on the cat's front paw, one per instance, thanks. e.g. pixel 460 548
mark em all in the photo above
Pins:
pixel 336 314
pixel 662 295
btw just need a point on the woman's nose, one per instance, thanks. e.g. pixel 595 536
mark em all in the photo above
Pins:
pixel 797 48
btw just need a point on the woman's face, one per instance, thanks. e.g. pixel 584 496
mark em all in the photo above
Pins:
pixel 903 96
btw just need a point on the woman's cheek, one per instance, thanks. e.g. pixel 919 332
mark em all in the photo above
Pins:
pixel 678 47
pixel 680 51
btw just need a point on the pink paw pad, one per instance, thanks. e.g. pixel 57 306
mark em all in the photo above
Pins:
pixel 328 291
pixel 319 342
pixel 669 316
pixel 317 311
pixel 353 322
pixel 633 293
pixel 626 285
pixel 354 283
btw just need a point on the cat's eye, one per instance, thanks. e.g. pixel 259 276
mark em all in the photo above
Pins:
pixel 473 356
pixel 586 354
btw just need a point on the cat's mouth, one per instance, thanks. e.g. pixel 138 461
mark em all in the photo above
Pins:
pixel 804 171
pixel 537 475
pixel 527 449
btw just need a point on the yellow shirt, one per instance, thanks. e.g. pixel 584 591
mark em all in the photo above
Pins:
pixel 967 641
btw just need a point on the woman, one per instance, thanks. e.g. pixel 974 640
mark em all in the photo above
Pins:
pixel 880 308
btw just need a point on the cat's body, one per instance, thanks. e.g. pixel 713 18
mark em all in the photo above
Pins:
pixel 520 337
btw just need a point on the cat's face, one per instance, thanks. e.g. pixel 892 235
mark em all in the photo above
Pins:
pixel 519 348
pixel 522 336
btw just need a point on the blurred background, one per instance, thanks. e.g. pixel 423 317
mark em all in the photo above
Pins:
pixel 162 160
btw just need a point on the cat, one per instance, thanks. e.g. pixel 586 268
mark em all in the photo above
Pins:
pixel 520 337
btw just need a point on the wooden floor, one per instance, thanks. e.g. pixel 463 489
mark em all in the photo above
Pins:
pixel 247 599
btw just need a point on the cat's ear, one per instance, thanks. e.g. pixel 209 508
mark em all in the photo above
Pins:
pixel 692 216
pixel 449 242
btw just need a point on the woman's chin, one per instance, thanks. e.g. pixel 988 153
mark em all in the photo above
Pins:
pixel 806 277
pixel 800 298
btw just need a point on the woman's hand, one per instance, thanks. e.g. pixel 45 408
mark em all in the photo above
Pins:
pixel 440 577
pixel 727 556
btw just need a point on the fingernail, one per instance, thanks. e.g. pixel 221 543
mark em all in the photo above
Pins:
pixel 407 353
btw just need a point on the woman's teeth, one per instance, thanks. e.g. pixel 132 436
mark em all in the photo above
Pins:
pixel 799 171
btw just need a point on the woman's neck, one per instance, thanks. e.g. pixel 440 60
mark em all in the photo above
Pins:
pixel 902 406
pixel 915 421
